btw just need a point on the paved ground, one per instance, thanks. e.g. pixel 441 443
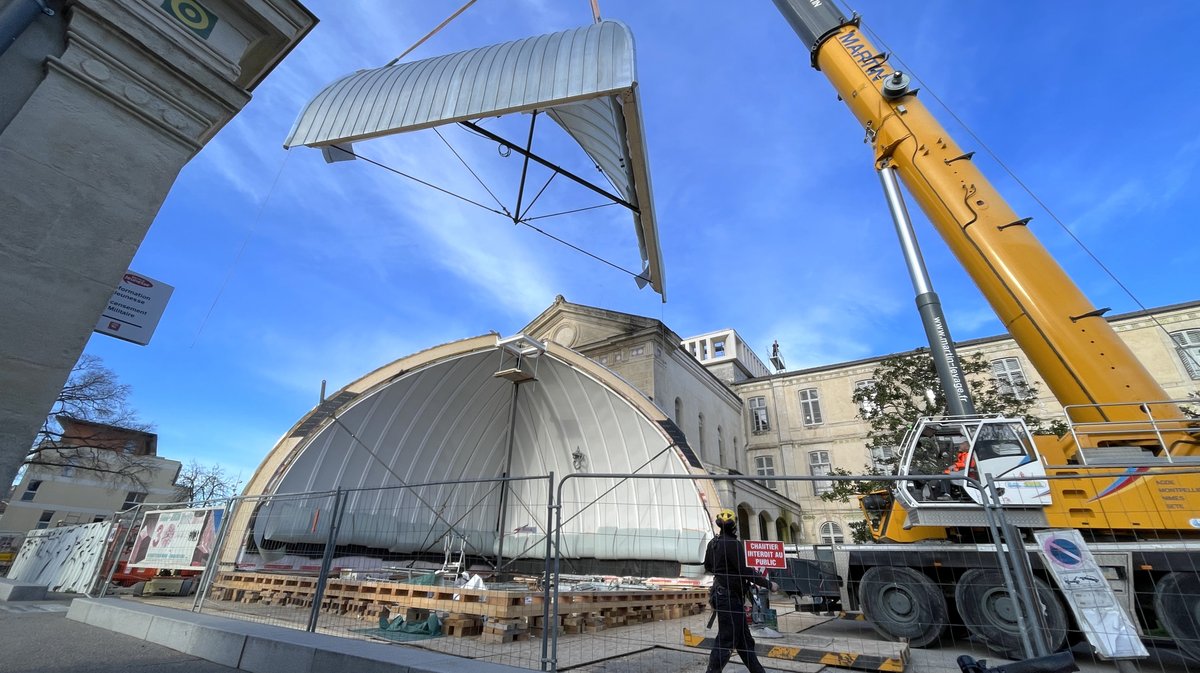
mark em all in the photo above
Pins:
pixel 37 637
pixel 40 639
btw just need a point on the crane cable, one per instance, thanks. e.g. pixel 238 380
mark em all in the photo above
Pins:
pixel 431 33
pixel 1042 204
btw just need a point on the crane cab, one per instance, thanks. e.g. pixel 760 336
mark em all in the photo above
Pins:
pixel 971 448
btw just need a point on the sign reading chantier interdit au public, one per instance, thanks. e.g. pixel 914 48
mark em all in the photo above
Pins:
pixel 135 307
pixel 761 554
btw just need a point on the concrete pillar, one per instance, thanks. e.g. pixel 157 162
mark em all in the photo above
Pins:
pixel 110 99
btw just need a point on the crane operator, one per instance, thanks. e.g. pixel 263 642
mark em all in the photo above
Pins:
pixel 725 558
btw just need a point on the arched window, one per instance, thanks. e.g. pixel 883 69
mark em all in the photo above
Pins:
pixel 679 412
pixel 831 533
pixel 721 447
pixel 701 440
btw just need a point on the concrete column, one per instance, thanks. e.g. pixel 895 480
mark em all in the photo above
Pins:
pixel 123 93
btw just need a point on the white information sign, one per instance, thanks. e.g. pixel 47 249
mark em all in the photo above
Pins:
pixel 177 539
pixel 1100 616
pixel 135 308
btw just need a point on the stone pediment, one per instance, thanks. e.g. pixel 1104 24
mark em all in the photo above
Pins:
pixel 577 326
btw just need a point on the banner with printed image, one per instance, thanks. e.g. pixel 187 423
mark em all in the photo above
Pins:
pixel 177 539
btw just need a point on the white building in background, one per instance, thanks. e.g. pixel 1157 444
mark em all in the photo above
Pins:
pixel 92 470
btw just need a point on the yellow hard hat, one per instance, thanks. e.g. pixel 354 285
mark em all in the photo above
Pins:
pixel 726 517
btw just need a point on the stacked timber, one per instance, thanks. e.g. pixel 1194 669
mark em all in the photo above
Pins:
pixel 578 611
pixel 459 625
pixel 505 630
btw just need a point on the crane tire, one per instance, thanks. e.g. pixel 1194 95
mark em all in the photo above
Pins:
pixel 903 604
pixel 1178 610
pixel 989 613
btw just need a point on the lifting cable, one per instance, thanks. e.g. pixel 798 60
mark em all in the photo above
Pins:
pixel 432 32
pixel 926 88
pixel 504 213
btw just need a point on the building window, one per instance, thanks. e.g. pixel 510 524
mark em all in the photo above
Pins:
pixel 721 457
pixel 97 519
pixel 44 520
pixel 758 414
pixel 810 406
pixel 764 466
pixel 818 466
pixel 31 490
pixel 867 406
pixel 719 349
pixel 133 499
pixel 679 412
pixel 882 458
pixel 1010 377
pixel 701 432
pixel 831 533
pixel 1187 344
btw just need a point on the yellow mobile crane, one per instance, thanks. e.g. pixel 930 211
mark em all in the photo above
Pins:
pixel 1122 459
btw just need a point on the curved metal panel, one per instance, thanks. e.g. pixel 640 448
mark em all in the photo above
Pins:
pixel 584 78
pixel 534 73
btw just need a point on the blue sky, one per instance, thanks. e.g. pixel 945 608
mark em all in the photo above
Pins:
pixel 288 271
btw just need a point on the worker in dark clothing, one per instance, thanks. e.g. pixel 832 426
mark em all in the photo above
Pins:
pixel 726 560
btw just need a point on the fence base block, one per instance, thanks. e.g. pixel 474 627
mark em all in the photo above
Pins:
pixel 798 652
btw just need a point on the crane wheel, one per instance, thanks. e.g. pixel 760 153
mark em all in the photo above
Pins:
pixel 1175 602
pixel 902 603
pixel 989 612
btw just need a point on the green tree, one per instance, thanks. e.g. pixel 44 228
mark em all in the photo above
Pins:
pixel 904 388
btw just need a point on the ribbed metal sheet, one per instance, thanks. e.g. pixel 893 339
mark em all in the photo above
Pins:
pixel 449 420
pixel 584 78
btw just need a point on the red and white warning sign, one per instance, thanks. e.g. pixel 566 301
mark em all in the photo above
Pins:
pixel 763 554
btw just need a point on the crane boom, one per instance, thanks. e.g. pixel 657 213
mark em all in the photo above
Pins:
pixel 1078 354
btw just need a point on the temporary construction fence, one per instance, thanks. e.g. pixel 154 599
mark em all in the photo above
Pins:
pixel 595 574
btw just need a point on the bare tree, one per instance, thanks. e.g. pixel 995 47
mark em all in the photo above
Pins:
pixel 92 408
pixel 198 482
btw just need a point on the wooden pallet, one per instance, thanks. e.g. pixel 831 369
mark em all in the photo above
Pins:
pixel 367 599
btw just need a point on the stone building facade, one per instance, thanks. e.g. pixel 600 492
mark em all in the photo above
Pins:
pixel 804 422
pixel 707 410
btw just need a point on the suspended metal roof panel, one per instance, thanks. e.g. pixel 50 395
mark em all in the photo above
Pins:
pixel 584 78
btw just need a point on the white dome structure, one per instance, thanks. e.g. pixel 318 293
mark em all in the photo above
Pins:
pixel 414 442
